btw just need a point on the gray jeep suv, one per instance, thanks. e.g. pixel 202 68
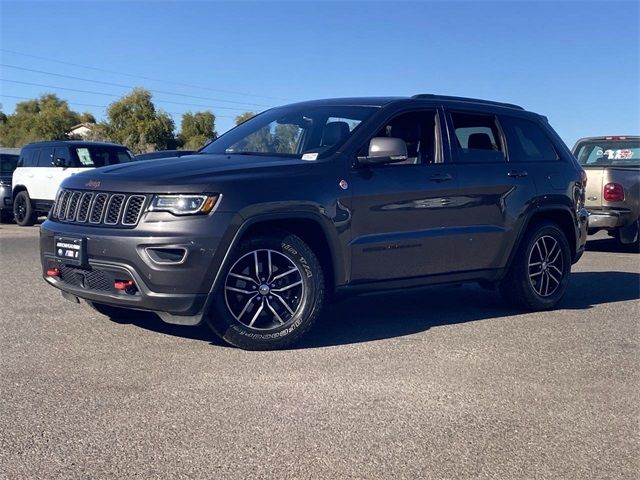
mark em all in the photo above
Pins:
pixel 310 200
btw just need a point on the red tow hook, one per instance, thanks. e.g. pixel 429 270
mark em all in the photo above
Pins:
pixel 124 285
pixel 53 272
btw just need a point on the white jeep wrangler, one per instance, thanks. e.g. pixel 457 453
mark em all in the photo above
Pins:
pixel 44 165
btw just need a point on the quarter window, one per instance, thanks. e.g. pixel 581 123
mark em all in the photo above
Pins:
pixel 477 138
pixel 527 141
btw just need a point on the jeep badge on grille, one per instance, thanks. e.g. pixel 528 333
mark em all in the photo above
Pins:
pixel 92 184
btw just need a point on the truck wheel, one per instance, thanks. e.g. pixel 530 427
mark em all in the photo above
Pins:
pixel 23 211
pixel 633 246
pixel 270 295
pixel 539 273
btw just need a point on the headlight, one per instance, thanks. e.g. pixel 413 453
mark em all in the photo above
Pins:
pixel 184 204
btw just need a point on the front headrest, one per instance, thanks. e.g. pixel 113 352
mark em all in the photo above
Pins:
pixel 480 141
pixel 333 133
pixel 409 132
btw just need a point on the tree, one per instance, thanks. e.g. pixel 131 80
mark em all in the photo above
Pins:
pixel 133 121
pixel 44 118
pixel 243 117
pixel 196 129
pixel 86 117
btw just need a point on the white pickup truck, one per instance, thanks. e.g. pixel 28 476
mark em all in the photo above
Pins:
pixel 613 185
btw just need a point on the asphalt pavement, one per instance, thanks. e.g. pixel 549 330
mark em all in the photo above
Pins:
pixel 442 383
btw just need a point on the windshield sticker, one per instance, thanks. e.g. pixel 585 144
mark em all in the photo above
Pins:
pixel 310 156
pixel 84 156
pixel 620 154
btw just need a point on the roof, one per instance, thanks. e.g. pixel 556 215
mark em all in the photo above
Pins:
pixel 79 143
pixel 352 101
pixel 422 97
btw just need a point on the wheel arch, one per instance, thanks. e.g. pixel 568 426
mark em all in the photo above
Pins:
pixel 313 229
pixel 17 189
pixel 560 215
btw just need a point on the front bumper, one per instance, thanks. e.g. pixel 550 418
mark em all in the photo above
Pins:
pixel 176 292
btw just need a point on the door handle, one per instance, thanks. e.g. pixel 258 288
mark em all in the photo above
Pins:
pixel 518 173
pixel 441 177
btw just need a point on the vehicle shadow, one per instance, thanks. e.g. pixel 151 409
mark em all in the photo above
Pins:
pixel 380 316
pixel 608 244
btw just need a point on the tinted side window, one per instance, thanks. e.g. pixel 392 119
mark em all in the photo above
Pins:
pixel 527 141
pixel 477 138
pixel 418 130
pixel 29 157
pixel 63 153
pixel 46 157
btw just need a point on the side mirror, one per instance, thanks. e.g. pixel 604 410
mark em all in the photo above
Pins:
pixel 385 150
pixel 59 162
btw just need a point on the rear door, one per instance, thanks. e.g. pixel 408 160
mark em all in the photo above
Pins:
pixel 494 194
pixel 56 175
pixel 25 173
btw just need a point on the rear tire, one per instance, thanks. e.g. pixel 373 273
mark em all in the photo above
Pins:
pixel 23 211
pixel 539 273
pixel 633 246
pixel 270 295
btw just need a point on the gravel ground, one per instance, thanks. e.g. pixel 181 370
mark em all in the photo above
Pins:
pixel 439 383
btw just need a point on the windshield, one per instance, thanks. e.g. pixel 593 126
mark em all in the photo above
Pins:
pixel 99 156
pixel 305 132
pixel 609 153
pixel 8 163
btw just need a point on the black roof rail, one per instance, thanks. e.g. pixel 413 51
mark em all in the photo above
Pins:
pixel 431 96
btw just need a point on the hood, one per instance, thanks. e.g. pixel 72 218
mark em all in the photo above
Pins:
pixel 188 174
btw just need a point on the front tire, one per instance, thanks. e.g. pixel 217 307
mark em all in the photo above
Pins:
pixel 270 295
pixel 539 273
pixel 23 211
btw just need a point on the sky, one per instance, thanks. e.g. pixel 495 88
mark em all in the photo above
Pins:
pixel 578 63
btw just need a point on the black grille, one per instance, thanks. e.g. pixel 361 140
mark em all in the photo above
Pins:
pixel 85 278
pixel 83 209
pixel 133 209
pixel 99 208
pixel 113 209
pixel 72 208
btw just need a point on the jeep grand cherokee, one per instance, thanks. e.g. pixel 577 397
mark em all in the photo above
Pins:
pixel 309 200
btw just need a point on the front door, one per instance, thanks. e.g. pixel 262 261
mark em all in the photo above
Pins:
pixel 402 212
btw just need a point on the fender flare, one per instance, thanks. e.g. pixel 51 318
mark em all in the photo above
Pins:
pixel 540 210
pixel 330 237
